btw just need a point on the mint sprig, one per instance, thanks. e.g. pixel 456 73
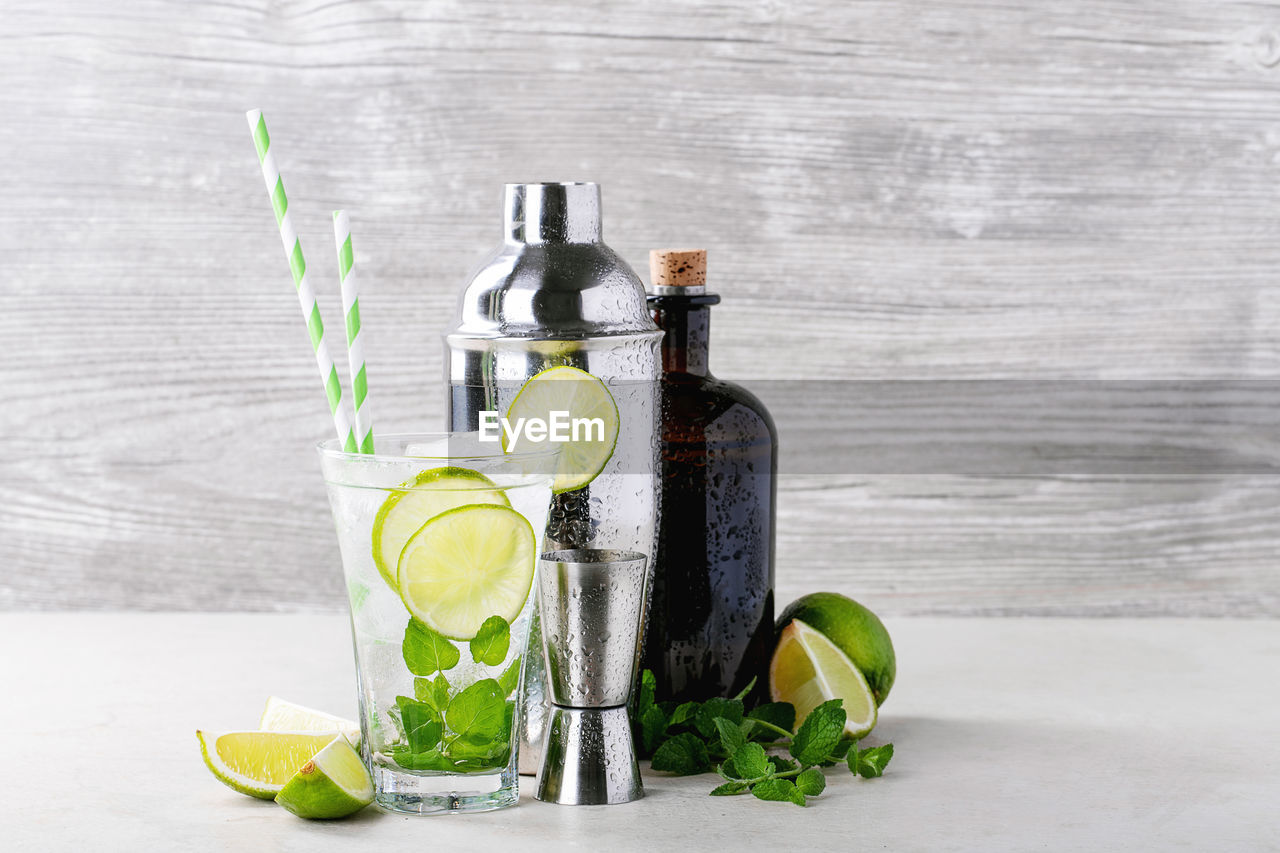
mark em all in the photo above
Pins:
pixel 456 731
pixel 722 735
pixel 870 763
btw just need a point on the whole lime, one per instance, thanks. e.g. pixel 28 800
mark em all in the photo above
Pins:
pixel 853 629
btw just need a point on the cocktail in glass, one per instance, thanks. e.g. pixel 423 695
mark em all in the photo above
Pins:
pixel 440 536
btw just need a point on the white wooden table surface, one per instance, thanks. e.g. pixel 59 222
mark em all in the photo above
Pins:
pixel 1011 734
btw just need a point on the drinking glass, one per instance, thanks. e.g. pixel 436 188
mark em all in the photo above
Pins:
pixel 439 535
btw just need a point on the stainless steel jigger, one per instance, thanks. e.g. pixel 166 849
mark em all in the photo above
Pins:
pixel 592 605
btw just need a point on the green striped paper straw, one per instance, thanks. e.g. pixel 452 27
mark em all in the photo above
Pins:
pixel 306 296
pixel 355 343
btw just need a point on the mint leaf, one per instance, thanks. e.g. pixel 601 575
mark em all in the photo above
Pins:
pixel 870 763
pixel 432 759
pixel 490 645
pixel 811 782
pixel 477 713
pixel 683 713
pixel 729 789
pixel 491 752
pixel 731 735
pixel 422 726
pixel 729 709
pixel 684 755
pixel 842 749
pixel 751 762
pixel 426 652
pixel 743 694
pixel 483 755
pixel 653 725
pixel 780 714
pixel 648 689
pixel 433 691
pixel 819 733
pixel 510 678
pixel 778 790
pixel 781 764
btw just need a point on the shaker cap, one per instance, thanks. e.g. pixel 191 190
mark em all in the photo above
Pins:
pixel 677 268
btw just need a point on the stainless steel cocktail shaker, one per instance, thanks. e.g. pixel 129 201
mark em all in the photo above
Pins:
pixel 554 294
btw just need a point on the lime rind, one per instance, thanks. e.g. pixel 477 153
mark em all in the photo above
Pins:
pixel 437 574
pixel 579 462
pixel 415 502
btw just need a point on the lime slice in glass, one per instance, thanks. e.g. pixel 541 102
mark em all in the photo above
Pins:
pixel 466 565
pixel 283 716
pixel 259 763
pixel 590 416
pixel 333 783
pixel 417 501
pixel 808 669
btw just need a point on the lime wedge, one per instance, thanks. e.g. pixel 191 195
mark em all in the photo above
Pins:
pixel 466 565
pixel 857 631
pixel 333 784
pixel 283 716
pixel 585 401
pixel 808 669
pixel 259 763
pixel 416 501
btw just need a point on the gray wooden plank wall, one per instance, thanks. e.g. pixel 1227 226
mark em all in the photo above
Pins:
pixel 889 190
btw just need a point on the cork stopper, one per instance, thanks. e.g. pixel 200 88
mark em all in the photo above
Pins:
pixel 677 268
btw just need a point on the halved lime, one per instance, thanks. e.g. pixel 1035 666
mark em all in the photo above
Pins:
pixel 581 402
pixel 808 669
pixel 333 784
pixel 466 565
pixel 417 501
pixel 284 716
pixel 259 763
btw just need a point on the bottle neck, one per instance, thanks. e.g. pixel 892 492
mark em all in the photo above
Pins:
pixel 552 213
pixel 687 323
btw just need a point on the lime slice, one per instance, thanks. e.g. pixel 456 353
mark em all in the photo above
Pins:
pixel 283 716
pixel 808 669
pixel 259 763
pixel 334 783
pixel 583 399
pixel 417 501
pixel 466 565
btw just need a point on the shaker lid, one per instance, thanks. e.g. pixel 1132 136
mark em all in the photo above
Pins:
pixel 552 278
pixel 678 270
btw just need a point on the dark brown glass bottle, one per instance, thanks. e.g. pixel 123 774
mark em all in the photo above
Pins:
pixel 711 617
